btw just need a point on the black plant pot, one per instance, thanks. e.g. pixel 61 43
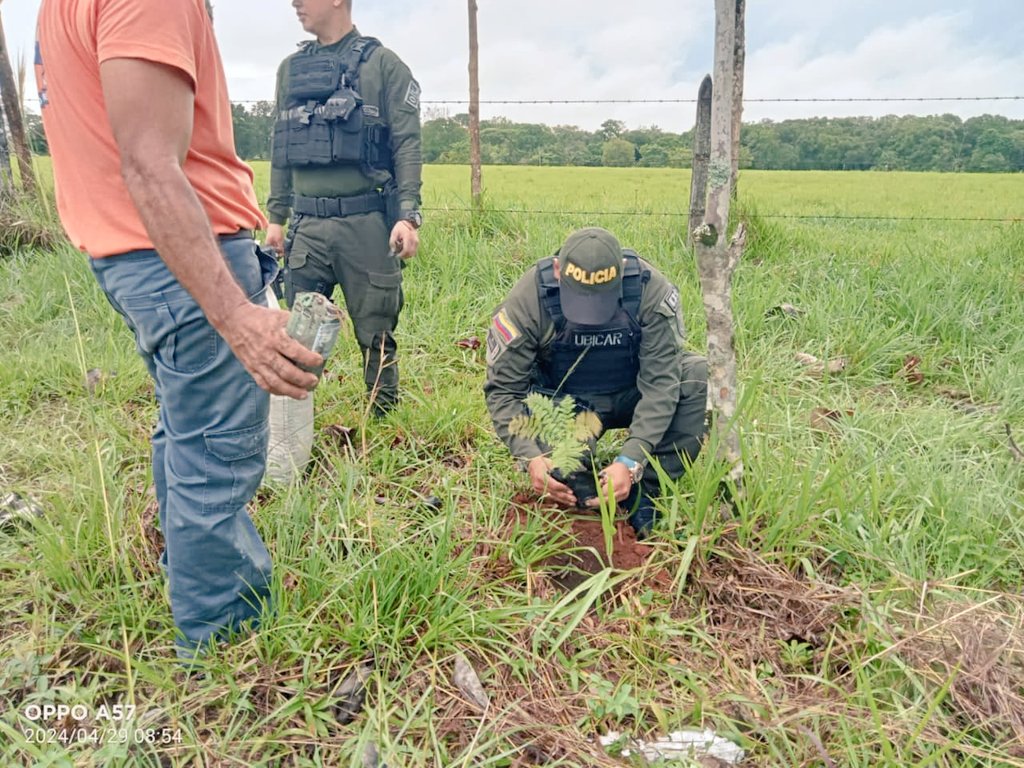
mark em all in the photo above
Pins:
pixel 581 482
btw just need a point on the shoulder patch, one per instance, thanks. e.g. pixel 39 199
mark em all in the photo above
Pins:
pixel 501 333
pixel 505 327
pixel 669 308
pixel 412 95
pixel 672 300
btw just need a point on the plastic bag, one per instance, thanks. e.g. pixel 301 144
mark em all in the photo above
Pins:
pixel 291 432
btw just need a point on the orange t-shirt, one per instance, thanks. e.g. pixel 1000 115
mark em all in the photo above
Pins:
pixel 73 38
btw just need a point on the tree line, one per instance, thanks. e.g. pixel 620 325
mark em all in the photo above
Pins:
pixel 989 143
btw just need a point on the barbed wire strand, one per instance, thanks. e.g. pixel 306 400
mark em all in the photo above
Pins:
pixel 767 100
pixel 789 100
pixel 792 216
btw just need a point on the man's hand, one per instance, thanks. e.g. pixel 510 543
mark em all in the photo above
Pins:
pixel 405 240
pixel 544 484
pixel 616 478
pixel 275 238
pixel 257 337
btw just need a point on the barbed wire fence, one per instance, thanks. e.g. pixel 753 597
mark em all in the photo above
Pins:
pixel 773 100
pixel 441 102
pixel 765 100
pixel 760 215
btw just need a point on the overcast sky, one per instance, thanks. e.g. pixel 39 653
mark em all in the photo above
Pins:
pixel 654 49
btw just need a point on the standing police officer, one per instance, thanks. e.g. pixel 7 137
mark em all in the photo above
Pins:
pixel 601 324
pixel 346 166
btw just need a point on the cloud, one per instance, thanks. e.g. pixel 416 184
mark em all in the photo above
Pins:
pixel 573 50
pixel 921 58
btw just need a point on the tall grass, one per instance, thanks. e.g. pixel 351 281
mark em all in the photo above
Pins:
pixel 821 618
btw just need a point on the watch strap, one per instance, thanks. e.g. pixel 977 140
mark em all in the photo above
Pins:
pixel 636 469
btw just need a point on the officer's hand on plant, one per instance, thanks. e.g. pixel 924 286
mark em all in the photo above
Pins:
pixel 405 240
pixel 544 484
pixel 257 337
pixel 275 238
pixel 615 477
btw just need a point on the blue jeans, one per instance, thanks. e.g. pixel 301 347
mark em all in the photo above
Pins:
pixel 210 444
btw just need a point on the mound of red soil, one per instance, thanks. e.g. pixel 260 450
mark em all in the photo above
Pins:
pixel 585 552
pixel 587 555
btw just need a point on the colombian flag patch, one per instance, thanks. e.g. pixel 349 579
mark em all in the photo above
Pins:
pixel 504 327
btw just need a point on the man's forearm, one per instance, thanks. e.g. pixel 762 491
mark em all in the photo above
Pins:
pixel 180 230
pixel 279 202
pixel 408 165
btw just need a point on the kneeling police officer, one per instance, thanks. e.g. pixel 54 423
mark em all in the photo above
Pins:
pixel 599 323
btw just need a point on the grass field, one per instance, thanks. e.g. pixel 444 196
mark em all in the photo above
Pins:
pixel 860 605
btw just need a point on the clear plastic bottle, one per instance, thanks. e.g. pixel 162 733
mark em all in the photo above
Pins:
pixel 315 323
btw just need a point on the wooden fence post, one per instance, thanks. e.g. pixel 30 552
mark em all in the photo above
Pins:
pixel 739 58
pixel 701 155
pixel 475 171
pixel 6 180
pixel 15 121
pixel 717 260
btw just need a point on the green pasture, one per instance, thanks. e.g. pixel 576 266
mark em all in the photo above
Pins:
pixel 859 605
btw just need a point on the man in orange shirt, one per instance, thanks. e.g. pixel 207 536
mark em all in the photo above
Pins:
pixel 136 113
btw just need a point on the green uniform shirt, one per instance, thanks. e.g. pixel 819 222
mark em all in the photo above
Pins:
pixel 386 83
pixel 520 330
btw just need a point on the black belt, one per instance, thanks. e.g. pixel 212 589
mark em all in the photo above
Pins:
pixel 326 207
pixel 242 234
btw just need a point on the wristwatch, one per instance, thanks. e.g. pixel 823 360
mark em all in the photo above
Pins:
pixel 413 217
pixel 636 469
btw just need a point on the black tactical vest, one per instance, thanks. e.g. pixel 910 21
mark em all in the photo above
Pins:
pixel 587 359
pixel 325 121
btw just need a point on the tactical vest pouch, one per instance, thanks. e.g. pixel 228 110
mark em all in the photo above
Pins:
pixel 279 144
pixel 318 141
pixel 298 143
pixel 392 206
pixel 346 139
pixel 377 148
pixel 313 77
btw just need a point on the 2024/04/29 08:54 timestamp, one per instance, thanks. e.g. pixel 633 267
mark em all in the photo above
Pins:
pixel 101 735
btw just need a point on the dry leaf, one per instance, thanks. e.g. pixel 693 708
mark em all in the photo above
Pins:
pixel 473 342
pixel 837 364
pixel 350 693
pixel 788 310
pixel 95 378
pixel 910 371
pixel 963 401
pixel 816 367
pixel 340 434
pixel 469 683
pixel 826 419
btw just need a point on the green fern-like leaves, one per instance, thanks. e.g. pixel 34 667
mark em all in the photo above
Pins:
pixel 557 425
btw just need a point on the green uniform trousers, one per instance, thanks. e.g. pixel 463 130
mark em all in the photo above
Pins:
pixel 352 252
